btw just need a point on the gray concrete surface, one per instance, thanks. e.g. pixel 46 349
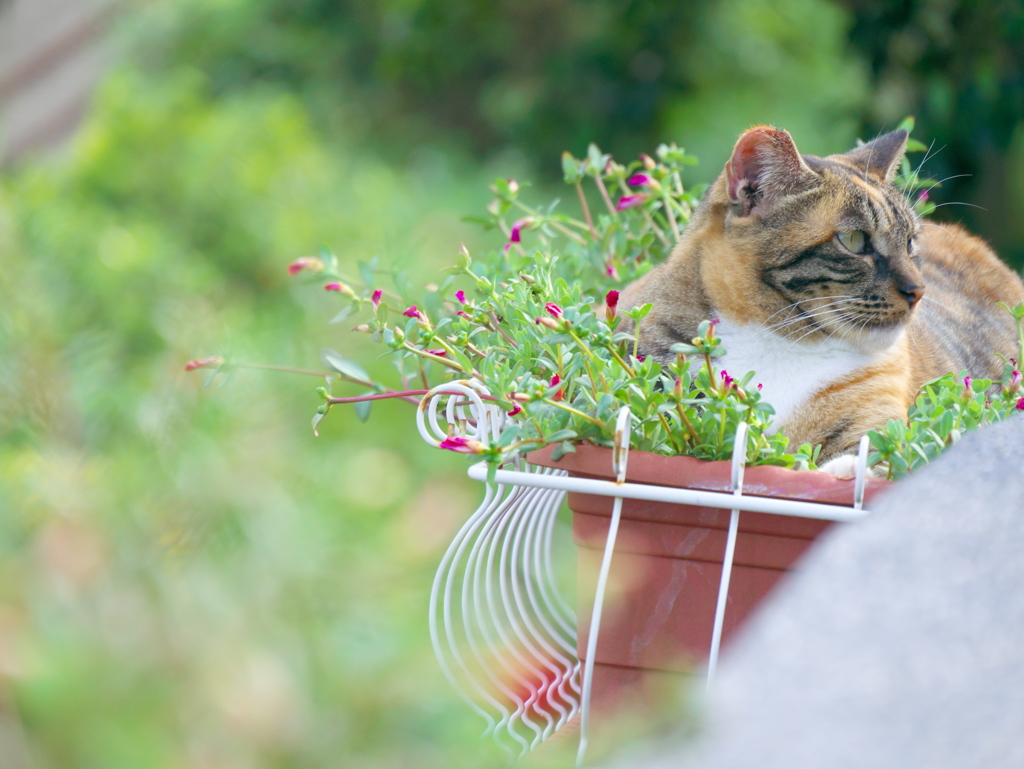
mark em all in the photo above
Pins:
pixel 899 644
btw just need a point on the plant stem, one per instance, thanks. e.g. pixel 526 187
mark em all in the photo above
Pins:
pixel 557 225
pixel 407 395
pixel 586 210
pixel 577 412
pixel 604 194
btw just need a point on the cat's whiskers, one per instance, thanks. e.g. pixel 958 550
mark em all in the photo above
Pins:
pixel 917 171
pixel 806 316
pixel 765 328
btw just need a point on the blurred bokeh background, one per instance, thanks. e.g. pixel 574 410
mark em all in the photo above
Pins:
pixel 188 578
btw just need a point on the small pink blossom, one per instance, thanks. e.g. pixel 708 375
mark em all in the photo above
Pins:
pixel 192 365
pixel 759 385
pixel 375 298
pixel 439 353
pixel 516 409
pixel 641 358
pixel 553 310
pixel 555 381
pixel 612 299
pixel 1020 405
pixel 648 161
pixel 645 180
pixel 516 233
pixel 726 379
pixel 631 201
pixel 1015 382
pixel 310 263
pixel 463 314
pixel 461 445
pixel 922 196
pixel 461 296
pixel 333 287
pixel 548 323
pixel 611 271
pixel 412 312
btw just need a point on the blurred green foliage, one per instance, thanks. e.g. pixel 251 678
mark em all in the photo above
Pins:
pixel 187 577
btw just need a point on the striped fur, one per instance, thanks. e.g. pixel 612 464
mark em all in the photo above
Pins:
pixel 845 336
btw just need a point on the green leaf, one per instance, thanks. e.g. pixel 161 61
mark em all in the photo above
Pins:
pixel 343 365
pixel 561 450
pixel 343 314
pixel 363 410
pixel 561 435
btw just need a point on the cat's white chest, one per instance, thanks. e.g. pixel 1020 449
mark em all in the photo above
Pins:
pixel 789 372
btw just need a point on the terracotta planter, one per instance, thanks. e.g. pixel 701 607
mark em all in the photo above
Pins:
pixel 659 610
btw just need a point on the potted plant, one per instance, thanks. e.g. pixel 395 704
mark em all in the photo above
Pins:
pixel 534 327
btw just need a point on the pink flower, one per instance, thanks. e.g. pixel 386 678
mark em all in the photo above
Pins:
pixel 726 379
pixel 648 161
pixel 1015 382
pixel 611 301
pixel 967 382
pixel 412 312
pixel 611 271
pixel 645 180
pixel 192 365
pixel 463 314
pixel 334 287
pixel 375 298
pixel 548 323
pixel 641 358
pixel 517 408
pixel 631 201
pixel 461 296
pixel 759 385
pixel 1020 405
pixel 555 381
pixel 461 445
pixel 310 263
pixel 439 353
pixel 922 196
pixel 553 310
pixel 515 235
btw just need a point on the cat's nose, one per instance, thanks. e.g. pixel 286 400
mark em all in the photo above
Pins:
pixel 913 294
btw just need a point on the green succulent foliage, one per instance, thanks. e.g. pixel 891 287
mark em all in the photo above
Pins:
pixel 536 325
pixel 945 409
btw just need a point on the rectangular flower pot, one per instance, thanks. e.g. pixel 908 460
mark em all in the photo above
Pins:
pixel 663 589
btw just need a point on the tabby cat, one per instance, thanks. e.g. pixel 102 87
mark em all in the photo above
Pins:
pixel 830 288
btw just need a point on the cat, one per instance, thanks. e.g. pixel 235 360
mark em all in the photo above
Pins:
pixel 828 285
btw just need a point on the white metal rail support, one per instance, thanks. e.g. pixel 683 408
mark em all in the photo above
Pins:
pixel 620 456
pixel 503 634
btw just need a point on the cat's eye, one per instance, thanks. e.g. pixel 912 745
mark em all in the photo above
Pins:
pixel 910 245
pixel 855 241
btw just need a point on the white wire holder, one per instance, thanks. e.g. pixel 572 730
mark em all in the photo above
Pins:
pixel 467 414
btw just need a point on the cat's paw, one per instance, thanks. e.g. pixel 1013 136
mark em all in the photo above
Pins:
pixel 843 466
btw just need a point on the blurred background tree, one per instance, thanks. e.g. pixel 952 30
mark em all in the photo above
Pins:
pixel 187 577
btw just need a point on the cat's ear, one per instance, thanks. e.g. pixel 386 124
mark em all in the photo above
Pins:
pixel 881 157
pixel 765 165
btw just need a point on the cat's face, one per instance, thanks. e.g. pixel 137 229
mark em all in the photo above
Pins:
pixel 824 248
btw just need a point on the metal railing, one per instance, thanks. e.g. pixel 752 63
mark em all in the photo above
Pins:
pixel 503 634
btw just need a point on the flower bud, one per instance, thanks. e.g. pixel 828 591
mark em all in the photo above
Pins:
pixel 631 201
pixel 310 263
pixel 553 310
pixel 192 365
pixel 362 328
pixel 1013 386
pixel 462 445
pixel 549 323
pixel 648 161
